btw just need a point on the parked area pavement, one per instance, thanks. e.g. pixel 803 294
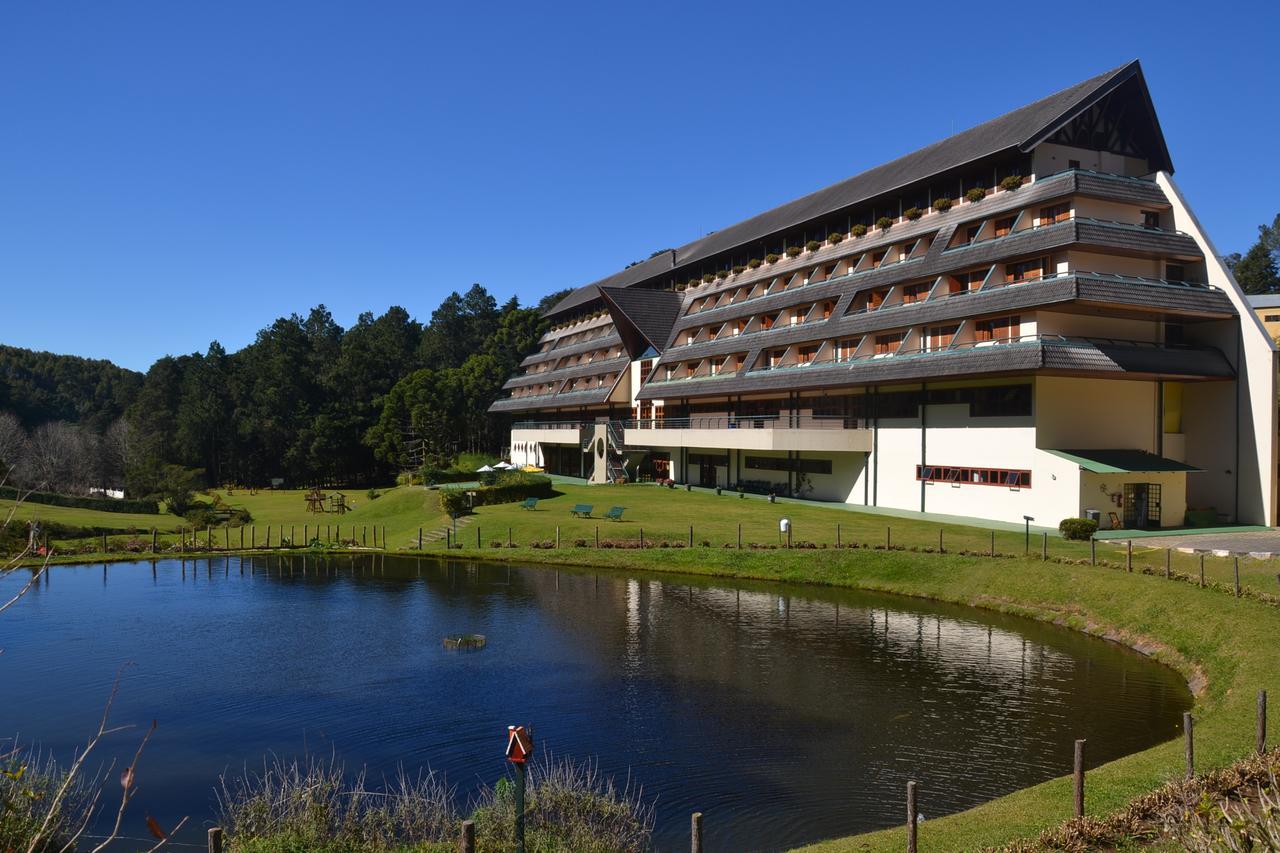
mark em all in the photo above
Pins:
pixel 1258 543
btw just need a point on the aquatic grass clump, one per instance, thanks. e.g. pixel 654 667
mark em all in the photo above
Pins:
pixel 569 806
pixel 311 805
pixel 29 785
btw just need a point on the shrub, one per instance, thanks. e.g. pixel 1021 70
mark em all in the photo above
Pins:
pixel 508 487
pixel 942 205
pixel 1077 528
pixel 858 230
pixel 754 264
pixel 976 194
pixel 884 223
pixel 707 278
pixel 813 246
pixel 771 258
pixel 911 214
pixel 1012 182
pixel 739 269
pixel 80 501
pixel 373 494
pixel 793 251
pixel 835 237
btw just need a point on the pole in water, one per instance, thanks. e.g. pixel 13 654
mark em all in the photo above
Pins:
pixel 1188 729
pixel 695 833
pixel 215 840
pixel 1079 778
pixel 912 812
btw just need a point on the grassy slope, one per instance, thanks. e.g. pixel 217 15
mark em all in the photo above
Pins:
pixel 1230 641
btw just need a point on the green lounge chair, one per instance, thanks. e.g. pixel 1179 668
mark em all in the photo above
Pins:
pixel 615 514
pixel 529 503
pixel 581 510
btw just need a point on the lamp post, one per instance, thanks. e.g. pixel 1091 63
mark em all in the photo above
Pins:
pixel 1026 545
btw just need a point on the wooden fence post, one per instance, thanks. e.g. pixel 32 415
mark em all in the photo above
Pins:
pixel 597 535
pixel 226 538
pixel 695 833
pixel 1128 559
pixel 941 550
pixel 1202 571
pixel 384 537
pixel 1079 778
pixel 364 536
pixel 740 540
pixel 641 538
pixel 208 536
pixel 306 533
pixel 1188 729
pixel 1237 574
pixel 912 839
pixel 467 843
pixel 992 552
pixel 1044 546
pixel 253 536
pixel 508 537
pixel 104 543
pixel 215 840
pixel 888 537
pixel 837 534
pixel 690 535
pixel 1261 733
pixel 419 538
pixel 241 537
pixel 153 539
pixel 1093 551
pixel 557 536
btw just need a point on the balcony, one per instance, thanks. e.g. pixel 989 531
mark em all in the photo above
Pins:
pixel 546 432
pixel 808 432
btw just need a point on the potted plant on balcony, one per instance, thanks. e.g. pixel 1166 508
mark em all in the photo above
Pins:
pixel 835 237
pixel 1011 183
pixel 739 269
pixel 976 194
pixel 942 205
pixel 771 258
pixel 812 246
pixel 858 230
pixel 754 264
pixel 884 223
pixel 707 278
pixel 911 214
pixel 793 251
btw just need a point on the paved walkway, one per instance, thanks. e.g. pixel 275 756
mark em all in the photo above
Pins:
pixel 1256 542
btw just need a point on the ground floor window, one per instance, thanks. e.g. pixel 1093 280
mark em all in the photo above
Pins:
pixel 782 463
pixel 975 476
pixel 1141 505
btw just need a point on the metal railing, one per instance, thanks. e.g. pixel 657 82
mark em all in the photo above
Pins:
pixel 748 422
pixel 548 425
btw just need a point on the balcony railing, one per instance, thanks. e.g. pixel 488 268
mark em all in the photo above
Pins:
pixel 748 422
pixel 548 425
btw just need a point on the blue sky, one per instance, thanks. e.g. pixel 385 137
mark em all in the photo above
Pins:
pixel 173 173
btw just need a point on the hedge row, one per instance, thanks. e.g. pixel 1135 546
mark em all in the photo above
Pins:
pixel 509 489
pixel 81 501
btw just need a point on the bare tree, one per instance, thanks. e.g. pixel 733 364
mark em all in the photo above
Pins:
pixel 13 440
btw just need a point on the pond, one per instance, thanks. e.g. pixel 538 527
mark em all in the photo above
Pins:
pixel 786 714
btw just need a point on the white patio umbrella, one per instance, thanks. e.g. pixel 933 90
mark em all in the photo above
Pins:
pixel 484 469
pixel 503 466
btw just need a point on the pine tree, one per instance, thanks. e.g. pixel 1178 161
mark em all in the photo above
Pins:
pixel 1256 271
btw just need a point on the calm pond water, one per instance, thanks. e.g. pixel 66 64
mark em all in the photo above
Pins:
pixel 786 714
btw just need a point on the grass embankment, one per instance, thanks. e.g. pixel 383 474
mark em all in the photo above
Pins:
pixel 1204 633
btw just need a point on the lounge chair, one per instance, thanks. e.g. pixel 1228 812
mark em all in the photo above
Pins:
pixel 615 514
pixel 581 510
pixel 529 503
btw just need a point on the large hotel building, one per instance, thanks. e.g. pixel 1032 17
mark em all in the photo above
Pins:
pixel 1024 319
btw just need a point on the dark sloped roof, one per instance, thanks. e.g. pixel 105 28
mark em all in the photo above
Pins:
pixel 1020 129
pixel 652 313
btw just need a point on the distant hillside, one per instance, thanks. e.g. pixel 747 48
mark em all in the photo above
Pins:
pixel 43 386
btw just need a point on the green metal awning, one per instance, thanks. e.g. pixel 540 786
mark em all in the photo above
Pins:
pixel 1123 461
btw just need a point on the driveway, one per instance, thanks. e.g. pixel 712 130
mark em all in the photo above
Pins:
pixel 1245 542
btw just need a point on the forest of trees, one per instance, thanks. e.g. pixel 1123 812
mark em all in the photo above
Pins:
pixel 308 401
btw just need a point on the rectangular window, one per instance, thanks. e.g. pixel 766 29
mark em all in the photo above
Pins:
pixel 775 357
pixel 766 322
pixel 915 293
pixel 646 368
pixel 998 329
pixel 875 298
pixel 941 337
pixel 1175 272
pixel 999 401
pixel 888 344
pixel 1025 270
pixel 846 348
pixel 877 259
pixel 708 459
pixel 739 360
pixel 972 233
pixel 905 251
pixel 1056 213
pixel 1004 226
pixel 1271 318
pixel 827 308
pixel 1150 219
pixel 781 463
pixel 1011 478
pixel 807 354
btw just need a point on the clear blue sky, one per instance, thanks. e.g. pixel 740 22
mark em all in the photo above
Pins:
pixel 176 172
